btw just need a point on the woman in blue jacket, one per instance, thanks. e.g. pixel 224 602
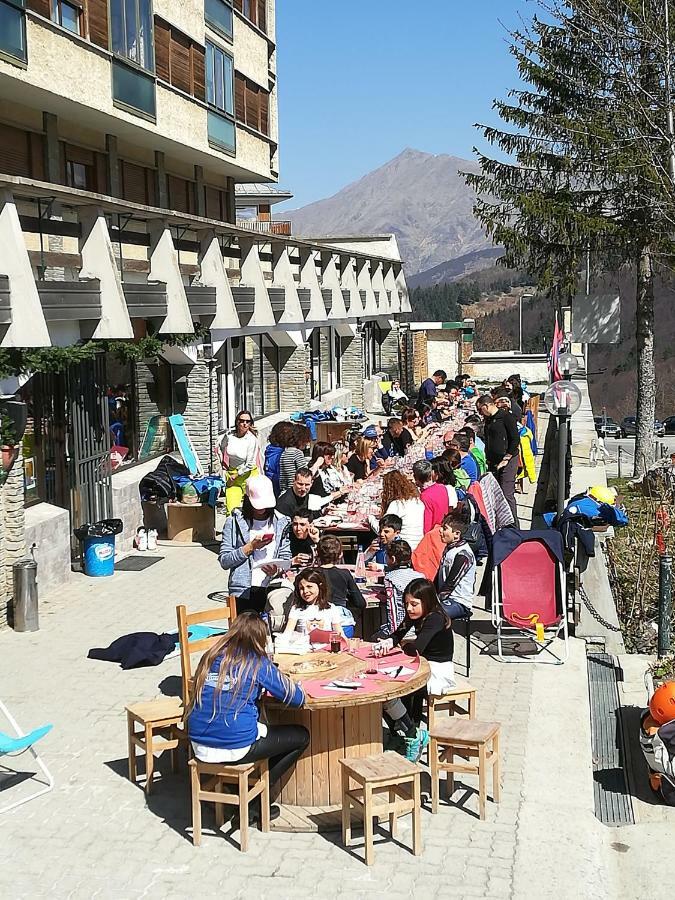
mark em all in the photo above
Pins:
pixel 223 719
pixel 253 538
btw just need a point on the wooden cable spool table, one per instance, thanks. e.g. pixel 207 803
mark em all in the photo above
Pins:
pixel 346 724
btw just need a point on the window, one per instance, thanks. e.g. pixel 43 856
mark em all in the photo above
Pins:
pixel 84 168
pixel 218 14
pixel 247 213
pixel 253 10
pixel 131 22
pixel 13 29
pixel 220 96
pixel 251 104
pixel 67 15
pixel 133 89
pixel 255 374
pixel 138 184
pixel 337 358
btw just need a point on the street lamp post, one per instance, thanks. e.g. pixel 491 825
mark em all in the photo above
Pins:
pixel 562 400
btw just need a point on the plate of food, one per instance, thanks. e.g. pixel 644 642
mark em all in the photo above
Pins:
pixel 311 666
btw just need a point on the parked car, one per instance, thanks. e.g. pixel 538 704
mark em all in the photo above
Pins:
pixel 669 425
pixel 629 425
pixel 607 427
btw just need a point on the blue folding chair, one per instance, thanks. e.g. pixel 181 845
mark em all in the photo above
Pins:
pixel 22 743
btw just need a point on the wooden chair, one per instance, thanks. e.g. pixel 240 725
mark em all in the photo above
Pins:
pixel 219 774
pixel 468 739
pixel 159 718
pixel 449 701
pixel 381 774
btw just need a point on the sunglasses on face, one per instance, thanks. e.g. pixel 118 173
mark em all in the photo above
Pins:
pixel 245 421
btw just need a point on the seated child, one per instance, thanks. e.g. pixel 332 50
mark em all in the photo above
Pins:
pixel 399 575
pixel 304 538
pixel 311 607
pixel 657 740
pixel 390 530
pixel 344 591
pixel 457 571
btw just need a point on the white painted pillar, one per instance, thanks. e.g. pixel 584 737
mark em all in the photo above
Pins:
pixel 213 274
pixel 252 276
pixel 98 261
pixel 164 267
pixel 331 281
pixel 28 328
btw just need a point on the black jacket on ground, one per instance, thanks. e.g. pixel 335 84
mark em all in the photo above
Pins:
pixel 501 437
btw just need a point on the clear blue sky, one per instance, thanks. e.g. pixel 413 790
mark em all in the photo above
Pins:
pixel 361 80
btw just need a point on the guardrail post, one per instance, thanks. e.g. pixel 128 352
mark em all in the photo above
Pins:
pixel 618 461
pixel 665 603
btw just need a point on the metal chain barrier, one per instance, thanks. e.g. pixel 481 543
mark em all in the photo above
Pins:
pixel 596 615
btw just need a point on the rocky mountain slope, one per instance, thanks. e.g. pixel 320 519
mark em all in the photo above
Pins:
pixel 419 197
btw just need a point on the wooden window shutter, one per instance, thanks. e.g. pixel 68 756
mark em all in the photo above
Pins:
pixel 162 42
pixel 240 97
pixel 179 55
pixel 252 107
pixel 264 101
pixel 97 15
pixel 79 155
pixel 37 162
pixel 199 72
pixel 134 184
pixel 101 173
pixel 262 14
pixel 178 194
pixel 212 197
pixel 15 156
pixel 239 5
pixel 42 7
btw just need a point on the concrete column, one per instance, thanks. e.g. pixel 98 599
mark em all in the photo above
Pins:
pixel 200 199
pixel 162 184
pixel 164 267
pixel 114 180
pixel 230 203
pixel 198 408
pixel 28 328
pixel 352 368
pixel 98 261
pixel 51 148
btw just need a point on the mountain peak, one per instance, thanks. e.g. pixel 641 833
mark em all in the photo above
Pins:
pixel 420 197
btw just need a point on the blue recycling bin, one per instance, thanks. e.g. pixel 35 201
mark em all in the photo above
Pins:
pixel 99 556
pixel 98 546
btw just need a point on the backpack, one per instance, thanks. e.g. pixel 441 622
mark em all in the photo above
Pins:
pixel 477 535
pixel 273 466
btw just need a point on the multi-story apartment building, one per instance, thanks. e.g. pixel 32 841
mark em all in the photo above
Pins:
pixel 125 126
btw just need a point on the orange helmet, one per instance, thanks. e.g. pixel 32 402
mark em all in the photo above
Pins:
pixel 662 704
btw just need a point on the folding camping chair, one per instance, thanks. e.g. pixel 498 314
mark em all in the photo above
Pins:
pixel 22 743
pixel 529 593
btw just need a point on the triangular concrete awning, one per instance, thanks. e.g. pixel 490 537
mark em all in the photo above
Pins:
pixel 350 284
pixel 252 274
pixel 390 286
pixel 309 279
pixel 331 281
pixel 364 281
pixel 165 268
pixel 282 273
pixel 213 274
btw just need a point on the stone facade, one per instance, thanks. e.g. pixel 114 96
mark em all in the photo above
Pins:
pixel 294 365
pixel 12 534
pixel 389 352
pixel 352 368
pixel 198 408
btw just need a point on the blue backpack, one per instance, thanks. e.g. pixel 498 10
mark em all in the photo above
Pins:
pixel 273 466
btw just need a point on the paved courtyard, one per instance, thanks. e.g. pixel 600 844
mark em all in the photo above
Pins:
pixel 95 836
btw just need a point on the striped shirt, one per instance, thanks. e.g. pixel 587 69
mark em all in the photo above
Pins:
pixel 395 583
pixel 291 460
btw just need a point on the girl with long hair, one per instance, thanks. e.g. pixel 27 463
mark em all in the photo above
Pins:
pixel 359 461
pixel 293 457
pixel 223 719
pixel 401 498
pixel 311 607
pixel 434 641
pixel 239 451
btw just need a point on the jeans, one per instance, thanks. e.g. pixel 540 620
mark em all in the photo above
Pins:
pixel 283 746
pixel 456 610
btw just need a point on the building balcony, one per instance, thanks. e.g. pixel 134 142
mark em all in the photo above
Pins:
pixel 276 226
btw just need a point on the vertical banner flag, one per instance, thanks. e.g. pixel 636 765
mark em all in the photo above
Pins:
pixel 557 345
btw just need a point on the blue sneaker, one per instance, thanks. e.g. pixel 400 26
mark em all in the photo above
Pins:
pixel 412 748
pixel 423 735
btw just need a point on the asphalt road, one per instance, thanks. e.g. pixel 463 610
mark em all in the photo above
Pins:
pixel 627 447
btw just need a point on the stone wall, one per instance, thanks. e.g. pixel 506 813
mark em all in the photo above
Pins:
pixel 12 534
pixel 295 387
pixel 389 353
pixel 196 410
pixel 352 368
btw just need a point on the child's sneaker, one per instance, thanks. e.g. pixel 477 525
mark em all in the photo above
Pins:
pixel 152 539
pixel 423 735
pixel 141 539
pixel 412 748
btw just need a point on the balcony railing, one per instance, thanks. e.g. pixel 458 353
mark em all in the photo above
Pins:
pixel 274 227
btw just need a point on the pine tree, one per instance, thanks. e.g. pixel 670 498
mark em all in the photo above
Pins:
pixel 587 151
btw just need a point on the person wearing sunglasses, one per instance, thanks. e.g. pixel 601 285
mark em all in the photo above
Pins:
pixel 239 452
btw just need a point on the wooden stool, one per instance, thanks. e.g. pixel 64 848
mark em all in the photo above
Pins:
pixel 158 718
pixel 383 773
pixel 449 701
pixel 212 792
pixel 465 738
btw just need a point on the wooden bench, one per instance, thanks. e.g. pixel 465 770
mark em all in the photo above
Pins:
pixel 377 775
pixel 468 739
